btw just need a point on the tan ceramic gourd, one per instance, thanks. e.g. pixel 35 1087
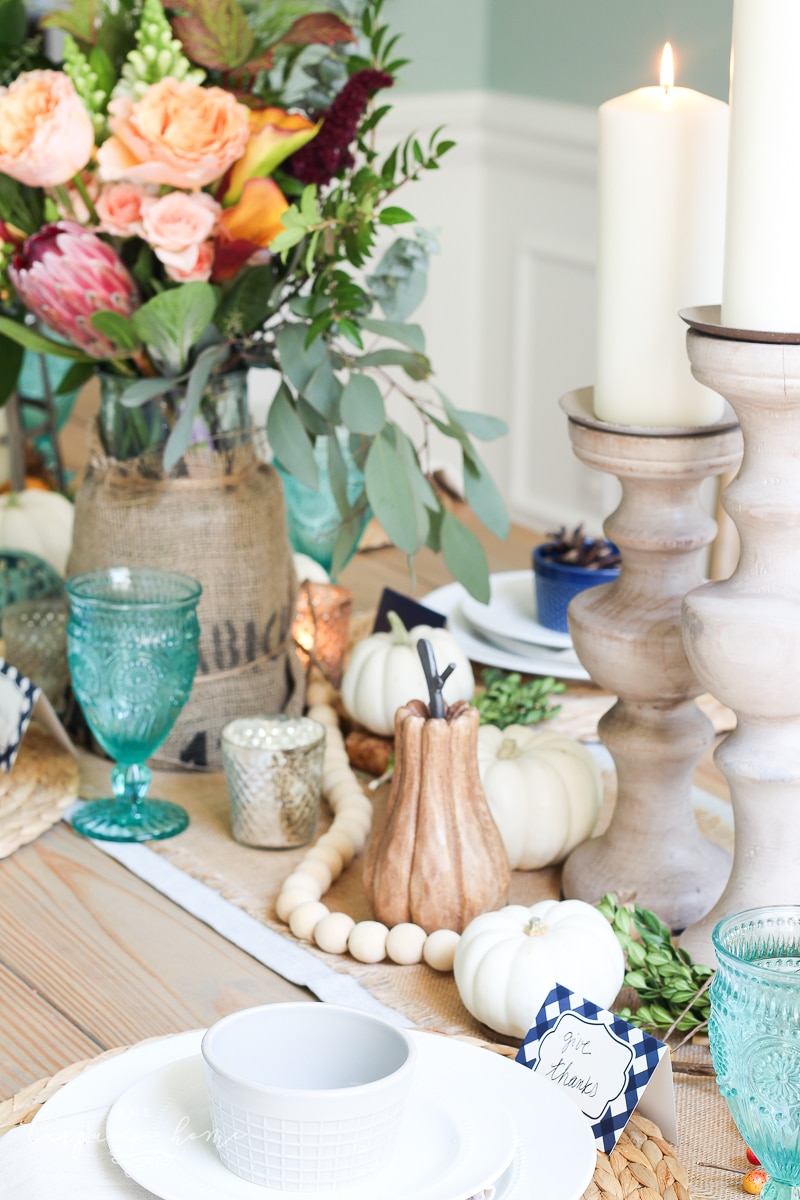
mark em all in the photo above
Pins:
pixel 437 859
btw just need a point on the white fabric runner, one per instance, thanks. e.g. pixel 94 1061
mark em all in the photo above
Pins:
pixel 278 953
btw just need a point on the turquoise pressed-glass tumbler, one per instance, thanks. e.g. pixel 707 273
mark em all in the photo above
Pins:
pixel 754 1033
pixel 132 638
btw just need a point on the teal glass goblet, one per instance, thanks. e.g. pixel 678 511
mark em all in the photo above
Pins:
pixel 132 639
pixel 754 1034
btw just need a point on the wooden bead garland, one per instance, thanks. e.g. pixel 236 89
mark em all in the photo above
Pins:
pixel 299 902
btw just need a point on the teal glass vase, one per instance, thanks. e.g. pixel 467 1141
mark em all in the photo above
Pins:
pixel 313 519
pixel 132 647
pixel 754 1035
pixel 31 386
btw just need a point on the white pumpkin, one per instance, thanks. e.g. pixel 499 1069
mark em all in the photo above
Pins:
pixel 385 672
pixel 507 961
pixel 307 568
pixel 544 790
pixel 38 522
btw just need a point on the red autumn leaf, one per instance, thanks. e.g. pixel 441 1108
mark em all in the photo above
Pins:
pixel 215 33
pixel 323 29
pixel 264 62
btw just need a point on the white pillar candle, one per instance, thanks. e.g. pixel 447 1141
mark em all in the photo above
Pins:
pixel 661 222
pixel 761 286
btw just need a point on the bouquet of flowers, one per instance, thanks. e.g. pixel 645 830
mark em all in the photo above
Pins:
pixel 196 190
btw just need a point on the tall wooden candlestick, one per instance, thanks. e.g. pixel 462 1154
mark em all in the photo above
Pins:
pixel 628 636
pixel 742 635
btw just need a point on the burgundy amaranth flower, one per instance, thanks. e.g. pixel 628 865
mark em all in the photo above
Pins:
pixel 64 274
pixel 329 153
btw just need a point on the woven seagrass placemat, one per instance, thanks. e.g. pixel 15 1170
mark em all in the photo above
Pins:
pixel 643 1166
pixel 36 792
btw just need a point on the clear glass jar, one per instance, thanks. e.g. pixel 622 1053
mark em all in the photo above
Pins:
pixel 128 432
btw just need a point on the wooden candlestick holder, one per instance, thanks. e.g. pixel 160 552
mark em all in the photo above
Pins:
pixel 628 636
pixel 742 635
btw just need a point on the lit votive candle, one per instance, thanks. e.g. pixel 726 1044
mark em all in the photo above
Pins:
pixel 273 770
pixel 322 627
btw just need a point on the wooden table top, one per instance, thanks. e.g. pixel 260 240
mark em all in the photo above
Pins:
pixel 91 957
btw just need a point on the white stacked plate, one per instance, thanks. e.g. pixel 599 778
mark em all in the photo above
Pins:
pixel 505 632
pixel 474 1120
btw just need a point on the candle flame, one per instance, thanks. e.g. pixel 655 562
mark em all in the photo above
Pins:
pixel 667 68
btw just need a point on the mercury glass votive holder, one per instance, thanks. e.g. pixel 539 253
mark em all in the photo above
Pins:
pixel 321 628
pixel 35 639
pixel 273 770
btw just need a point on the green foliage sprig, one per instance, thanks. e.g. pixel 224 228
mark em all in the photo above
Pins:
pixel 505 700
pixel 672 988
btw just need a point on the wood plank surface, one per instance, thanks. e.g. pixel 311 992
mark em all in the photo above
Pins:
pixel 91 957
pixel 34 1034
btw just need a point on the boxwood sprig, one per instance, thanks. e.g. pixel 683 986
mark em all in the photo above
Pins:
pixel 506 700
pixel 671 987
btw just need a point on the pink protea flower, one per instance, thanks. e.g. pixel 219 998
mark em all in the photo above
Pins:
pixel 63 274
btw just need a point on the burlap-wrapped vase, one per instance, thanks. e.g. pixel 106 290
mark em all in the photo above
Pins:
pixel 218 516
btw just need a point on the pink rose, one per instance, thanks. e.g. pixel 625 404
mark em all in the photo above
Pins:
pixel 177 225
pixel 119 207
pixel 46 133
pixel 201 269
pixel 179 134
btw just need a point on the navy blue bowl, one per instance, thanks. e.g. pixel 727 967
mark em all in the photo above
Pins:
pixel 556 583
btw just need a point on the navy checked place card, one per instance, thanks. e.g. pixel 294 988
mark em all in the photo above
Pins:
pixel 410 612
pixel 18 698
pixel 606 1066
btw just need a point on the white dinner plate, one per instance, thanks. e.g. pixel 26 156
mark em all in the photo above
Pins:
pixel 511 612
pixel 540 660
pixel 555 1153
pixel 451 1144
pixel 523 649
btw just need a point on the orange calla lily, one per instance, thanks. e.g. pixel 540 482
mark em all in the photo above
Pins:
pixel 248 226
pixel 274 135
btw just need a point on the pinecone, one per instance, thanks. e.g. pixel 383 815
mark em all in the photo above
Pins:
pixel 577 548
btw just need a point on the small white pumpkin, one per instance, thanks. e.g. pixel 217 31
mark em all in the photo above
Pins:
pixel 385 672
pixel 38 522
pixel 544 790
pixel 307 568
pixel 507 961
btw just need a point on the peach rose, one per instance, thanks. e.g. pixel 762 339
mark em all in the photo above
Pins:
pixel 179 134
pixel 176 226
pixel 119 207
pixel 201 269
pixel 46 133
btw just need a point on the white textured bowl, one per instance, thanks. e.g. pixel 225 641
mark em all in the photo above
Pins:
pixel 305 1096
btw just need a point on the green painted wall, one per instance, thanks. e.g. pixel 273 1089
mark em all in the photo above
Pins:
pixel 446 40
pixel 577 51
